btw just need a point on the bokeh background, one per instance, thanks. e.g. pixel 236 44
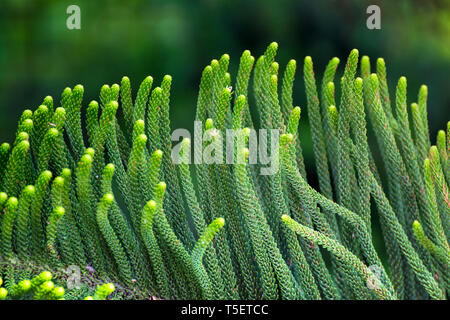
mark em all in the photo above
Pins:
pixel 39 56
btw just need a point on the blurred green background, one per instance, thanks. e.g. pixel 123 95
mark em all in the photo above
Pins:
pixel 39 56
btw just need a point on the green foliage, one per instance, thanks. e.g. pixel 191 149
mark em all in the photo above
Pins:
pixel 42 287
pixel 91 193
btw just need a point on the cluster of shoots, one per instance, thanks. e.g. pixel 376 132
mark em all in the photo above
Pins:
pixel 93 185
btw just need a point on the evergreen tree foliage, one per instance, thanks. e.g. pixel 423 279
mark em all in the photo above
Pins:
pixel 93 185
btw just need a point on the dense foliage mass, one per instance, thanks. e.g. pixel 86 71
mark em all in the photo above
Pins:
pixel 82 186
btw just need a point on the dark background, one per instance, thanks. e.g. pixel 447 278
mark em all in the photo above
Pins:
pixel 39 56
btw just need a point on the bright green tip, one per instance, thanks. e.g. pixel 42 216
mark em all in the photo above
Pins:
pixel 47 285
pixel 151 204
pixel 90 151
pixel 162 186
pixel 186 141
pixel 245 152
pixel 167 77
pixel 354 52
pixel 374 77
pixel 3 197
pixel 285 217
pixel 3 293
pixel 274 78
pixel 87 158
pixel 53 132
pixel 66 172
pixel 214 63
pixel 286 137
pixel 5 147
pixel 308 59
pixel 109 287
pixel 142 138
pixel 48 174
pixel 12 202
pixel 23 136
pixel 433 151
pixel 246 131
pixel 59 211
pixel 220 222
pixel 88 298
pixel 416 224
pixel 110 167
pixel 157 90
pixel 125 78
pixel 27 114
pixel 28 122
pixel 45 275
pixel 25 285
pixel 42 108
pixel 208 69
pixel 380 61
pixel 209 124
pixel 58 291
pixel 158 153
pixel 241 98
pixel 78 87
pixel 274 45
pixel 440 139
